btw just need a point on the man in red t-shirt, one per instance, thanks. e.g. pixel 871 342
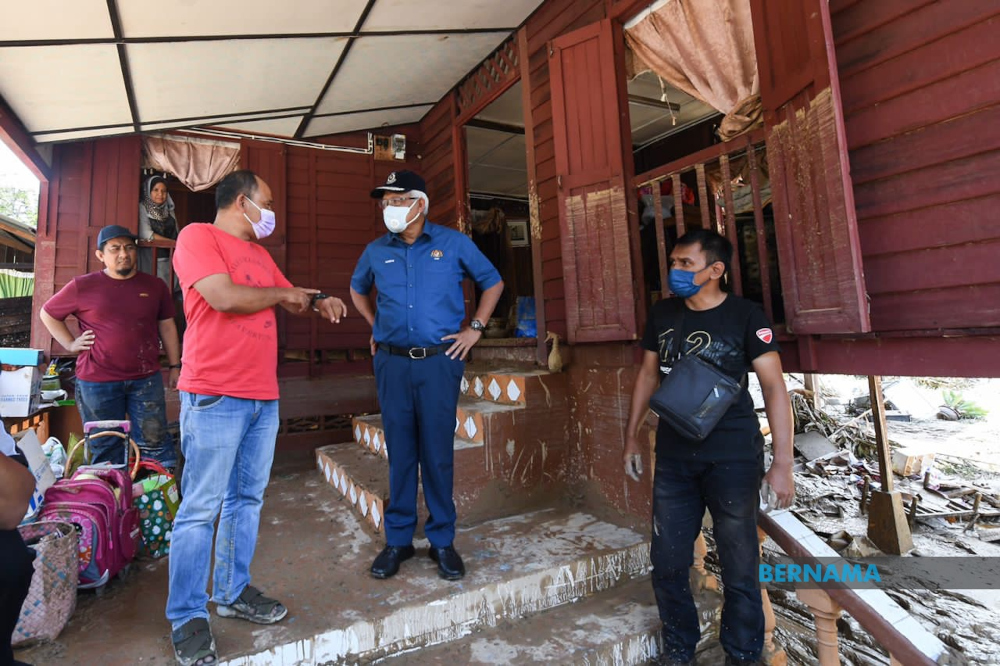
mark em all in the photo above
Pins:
pixel 123 315
pixel 229 409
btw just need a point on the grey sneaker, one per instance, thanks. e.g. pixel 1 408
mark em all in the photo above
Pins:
pixel 252 605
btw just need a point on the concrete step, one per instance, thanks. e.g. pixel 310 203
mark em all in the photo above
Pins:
pixel 515 567
pixel 473 420
pixel 517 386
pixel 619 626
pixel 361 479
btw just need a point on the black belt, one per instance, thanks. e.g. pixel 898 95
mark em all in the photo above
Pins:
pixel 416 353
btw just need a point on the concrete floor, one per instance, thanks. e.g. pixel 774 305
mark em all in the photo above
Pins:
pixel 314 555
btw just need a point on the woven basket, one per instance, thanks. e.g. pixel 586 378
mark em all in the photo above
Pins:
pixel 52 596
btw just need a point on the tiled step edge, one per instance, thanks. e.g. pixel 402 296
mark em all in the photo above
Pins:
pixel 360 477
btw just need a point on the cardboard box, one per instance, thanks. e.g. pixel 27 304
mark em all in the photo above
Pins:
pixel 20 356
pixel 20 391
pixel 27 442
pixel 912 461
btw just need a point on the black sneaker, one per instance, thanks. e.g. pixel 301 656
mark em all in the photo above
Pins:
pixel 252 605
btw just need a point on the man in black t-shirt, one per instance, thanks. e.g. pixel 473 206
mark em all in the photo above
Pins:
pixel 16 486
pixel 723 472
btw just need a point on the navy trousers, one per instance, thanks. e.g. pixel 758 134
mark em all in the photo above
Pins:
pixel 681 492
pixel 419 399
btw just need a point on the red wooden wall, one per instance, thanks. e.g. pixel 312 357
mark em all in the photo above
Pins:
pixel 920 82
pixel 94 184
pixel 438 163
pixel 324 212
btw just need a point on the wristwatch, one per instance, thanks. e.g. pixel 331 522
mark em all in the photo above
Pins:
pixel 477 325
pixel 175 366
pixel 317 298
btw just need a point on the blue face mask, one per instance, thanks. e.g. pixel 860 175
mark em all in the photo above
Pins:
pixel 682 282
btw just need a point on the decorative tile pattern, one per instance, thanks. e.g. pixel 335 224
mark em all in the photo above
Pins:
pixel 368 437
pixel 513 392
pixel 363 504
pixel 495 389
pixel 376 515
pixel 465 386
pixel 479 387
pixel 470 428
pixel 377 442
pixel 357 434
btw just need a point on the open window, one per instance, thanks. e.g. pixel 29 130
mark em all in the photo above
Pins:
pixel 697 145
pixel 498 199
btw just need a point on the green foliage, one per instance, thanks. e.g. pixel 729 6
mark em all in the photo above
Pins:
pixel 966 409
pixel 22 205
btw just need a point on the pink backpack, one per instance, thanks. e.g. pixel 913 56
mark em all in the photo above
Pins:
pixel 102 510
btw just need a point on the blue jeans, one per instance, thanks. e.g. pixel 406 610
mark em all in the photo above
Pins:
pixel 142 400
pixel 228 446
pixel 681 492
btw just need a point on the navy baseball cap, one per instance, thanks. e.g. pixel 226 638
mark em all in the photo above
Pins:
pixel 113 231
pixel 400 181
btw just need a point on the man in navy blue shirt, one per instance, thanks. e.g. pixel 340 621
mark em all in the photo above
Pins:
pixel 419 349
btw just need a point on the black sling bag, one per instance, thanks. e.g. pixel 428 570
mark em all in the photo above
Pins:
pixel 695 394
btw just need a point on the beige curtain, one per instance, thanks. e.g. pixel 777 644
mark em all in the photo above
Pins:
pixel 704 48
pixel 198 163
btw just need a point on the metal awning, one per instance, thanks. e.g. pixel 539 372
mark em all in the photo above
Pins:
pixel 73 69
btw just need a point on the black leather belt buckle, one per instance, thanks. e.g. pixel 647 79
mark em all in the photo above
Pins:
pixel 418 353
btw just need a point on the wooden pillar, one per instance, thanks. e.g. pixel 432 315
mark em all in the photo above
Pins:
pixel 811 382
pixel 826 613
pixel 772 654
pixel 888 526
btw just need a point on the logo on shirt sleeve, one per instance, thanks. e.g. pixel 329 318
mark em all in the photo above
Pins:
pixel 766 335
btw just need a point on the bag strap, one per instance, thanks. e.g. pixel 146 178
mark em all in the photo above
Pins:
pixel 152 466
pixel 679 338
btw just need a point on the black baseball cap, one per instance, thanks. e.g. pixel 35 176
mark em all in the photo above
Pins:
pixel 113 231
pixel 400 181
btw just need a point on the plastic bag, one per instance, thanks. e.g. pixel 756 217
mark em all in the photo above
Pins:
pixel 526 326
pixel 56 453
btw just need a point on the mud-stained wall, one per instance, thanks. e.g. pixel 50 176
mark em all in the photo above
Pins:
pixel 600 388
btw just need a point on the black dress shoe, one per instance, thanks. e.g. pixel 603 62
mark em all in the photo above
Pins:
pixel 450 565
pixel 387 563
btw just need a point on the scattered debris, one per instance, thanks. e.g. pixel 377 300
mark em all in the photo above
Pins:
pixel 813 445
pixel 948 474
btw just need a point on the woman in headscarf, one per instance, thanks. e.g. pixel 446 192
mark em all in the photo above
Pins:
pixel 156 222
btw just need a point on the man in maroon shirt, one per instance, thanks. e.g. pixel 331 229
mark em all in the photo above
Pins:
pixel 123 316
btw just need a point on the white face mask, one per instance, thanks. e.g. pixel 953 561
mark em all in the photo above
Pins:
pixel 395 217
pixel 265 227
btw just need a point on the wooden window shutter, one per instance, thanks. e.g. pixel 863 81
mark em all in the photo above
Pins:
pixel 815 221
pixel 593 213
